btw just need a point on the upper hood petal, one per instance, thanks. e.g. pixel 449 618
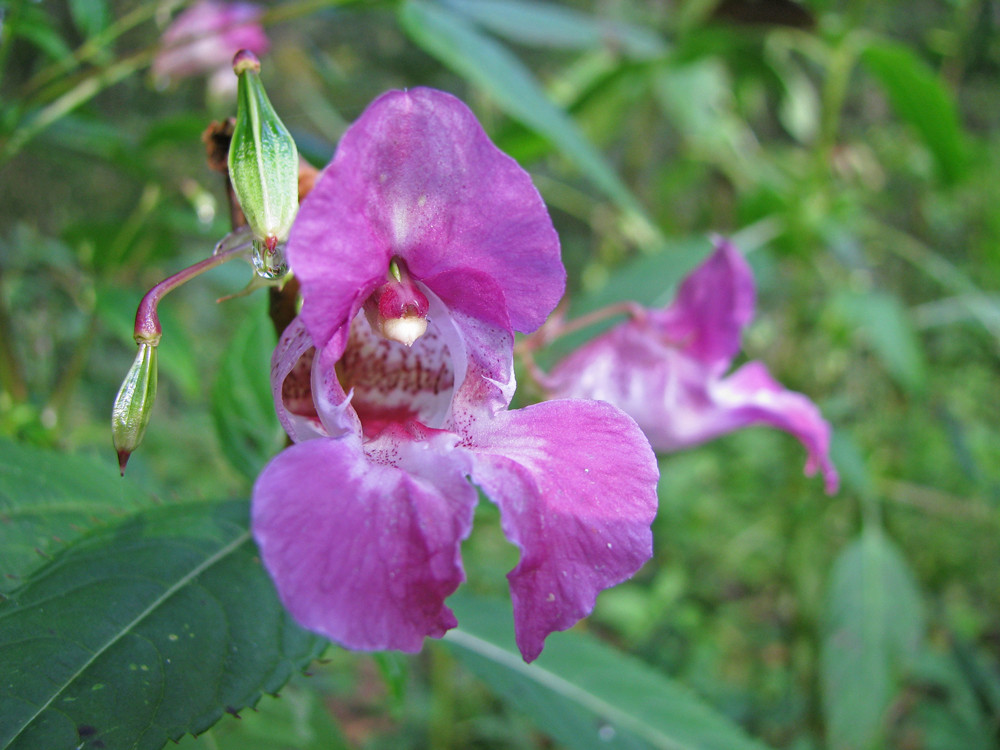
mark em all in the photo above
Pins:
pixel 416 177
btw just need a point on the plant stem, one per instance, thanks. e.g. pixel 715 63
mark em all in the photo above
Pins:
pixel 84 91
pixel 97 43
pixel 147 321
pixel 11 377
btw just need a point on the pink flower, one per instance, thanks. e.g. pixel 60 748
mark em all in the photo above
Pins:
pixel 203 39
pixel 420 251
pixel 666 368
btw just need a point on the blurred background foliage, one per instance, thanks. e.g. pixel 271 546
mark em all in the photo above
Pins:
pixel 851 148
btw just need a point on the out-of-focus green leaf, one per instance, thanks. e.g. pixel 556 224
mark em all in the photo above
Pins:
pixel 583 693
pixel 295 720
pixel 48 499
pixel 920 99
pixel 242 407
pixel 141 632
pixel 33 23
pixel 90 16
pixel 951 717
pixel 549 25
pixel 885 324
pixel 487 63
pixel 873 628
pixel 649 280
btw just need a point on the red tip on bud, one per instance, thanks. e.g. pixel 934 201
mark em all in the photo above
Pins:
pixel 123 457
pixel 245 60
pixel 271 242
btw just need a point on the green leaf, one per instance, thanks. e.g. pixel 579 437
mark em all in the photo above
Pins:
pixel 242 407
pixel 873 629
pixel 34 24
pixel 141 632
pixel 550 25
pixel 90 16
pixel 881 319
pixel 295 720
pixel 582 692
pixel 919 98
pixel 48 499
pixel 487 63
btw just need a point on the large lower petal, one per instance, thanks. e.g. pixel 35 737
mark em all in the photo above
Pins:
pixel 576 485
pixel 363 544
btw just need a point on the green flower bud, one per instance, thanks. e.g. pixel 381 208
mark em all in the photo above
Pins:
pixel 134 404
pixel 263 167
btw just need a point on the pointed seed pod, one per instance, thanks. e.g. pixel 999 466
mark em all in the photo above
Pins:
pixel 134 404
pixel 263 167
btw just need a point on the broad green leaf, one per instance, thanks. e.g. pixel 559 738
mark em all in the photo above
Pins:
pixel 550 25
pixel 141 632
pixel 34 24
pixel 242 407
pixel 90 16
pixel 881 319
pixel 649 279
pixel 919 98
pixel 952 716
pixel 48 499
pixel 873 628
pixel 295 720
pixel 584 693
pixel 487 63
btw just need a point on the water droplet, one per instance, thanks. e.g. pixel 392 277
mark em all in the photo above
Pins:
pixel 269 264
pixel 606 732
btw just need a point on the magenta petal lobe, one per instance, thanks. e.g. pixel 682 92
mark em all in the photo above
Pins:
pixel 365 549
pixel 576 486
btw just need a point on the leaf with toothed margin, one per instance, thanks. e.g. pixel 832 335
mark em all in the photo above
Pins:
pixel 141 632
pixel 48 499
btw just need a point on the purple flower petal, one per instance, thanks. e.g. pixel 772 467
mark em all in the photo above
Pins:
pixel 205 37
pixel 291 373
pixel 363 545
pixel 665 369
pixel 576 486
pixel 417 178
pixel 751 396
pixel 713 306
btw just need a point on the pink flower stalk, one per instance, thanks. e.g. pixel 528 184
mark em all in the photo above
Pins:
pixel 666 368
pixel 420 251
pixel 203 39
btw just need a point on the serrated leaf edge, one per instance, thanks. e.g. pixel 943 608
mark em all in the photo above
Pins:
pixel 208 562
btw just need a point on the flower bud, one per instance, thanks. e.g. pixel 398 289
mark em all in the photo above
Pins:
pixel 134 404
pixel 263 167
pixel 398 310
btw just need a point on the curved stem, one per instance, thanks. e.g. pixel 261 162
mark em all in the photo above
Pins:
pixel 556 329
pixel 147 321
